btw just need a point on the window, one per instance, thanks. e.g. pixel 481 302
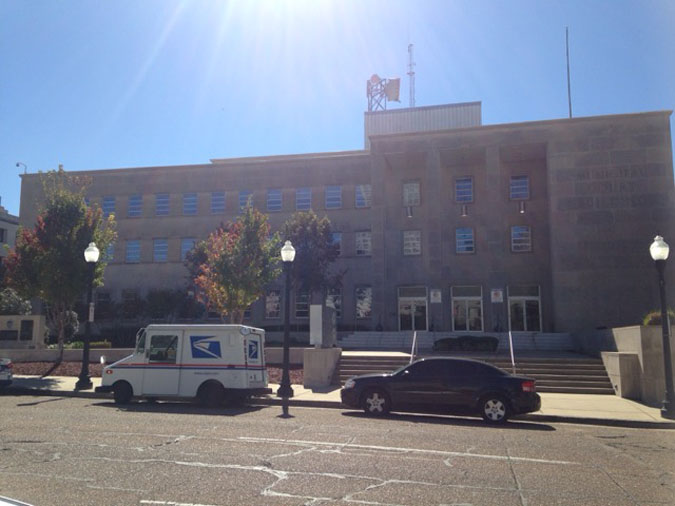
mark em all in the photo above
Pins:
pixel 274 200
pixel 363 244
pixel 108 206
pixel 337 240
pixel 3 235
pixel 524 308
pixel 189 203
pixel 303 199
pixel 467 308
pixel 109 253
pixel 334 300
pixel 464 241
pixel 160 250
pixel 245 197
pixel 186 245
pixel 464 189
pixel 133 253
pixel 333 197
pixel 364 301
pixel 412 242
pixel 163 349
pixel 521 239
pixel 130 303
pixel 135 208
pixel 302 304
pixel 273 304
pixel 520 188
pixel 217 202
pixel 162 204
pixel 411 193
pixel 363 196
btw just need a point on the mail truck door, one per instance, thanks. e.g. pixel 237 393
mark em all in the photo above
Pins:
pixel 161 373
pixel 254 359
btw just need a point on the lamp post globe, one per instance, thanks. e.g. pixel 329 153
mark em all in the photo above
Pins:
pixel 91 255
pixel 285 390
pixel 659 251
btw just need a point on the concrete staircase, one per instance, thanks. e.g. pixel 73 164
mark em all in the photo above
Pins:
pixel 358 364
pixel 554 374
pixel 402 341
pixel 569 375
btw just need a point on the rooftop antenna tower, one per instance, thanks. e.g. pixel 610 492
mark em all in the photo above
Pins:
pixel 411 74
pixel 569 86
pixel 379 91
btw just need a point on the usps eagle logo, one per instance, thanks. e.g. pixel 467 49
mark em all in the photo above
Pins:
pixel 253 350
pixel 205 347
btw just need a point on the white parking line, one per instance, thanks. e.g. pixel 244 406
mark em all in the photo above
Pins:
pixel 171 503
pixel 406 450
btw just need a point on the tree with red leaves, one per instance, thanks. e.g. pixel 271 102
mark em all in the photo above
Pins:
pixel 48 260
pixel 233 266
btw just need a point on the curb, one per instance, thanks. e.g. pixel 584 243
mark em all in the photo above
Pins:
pixel 609 422
pixel 312 403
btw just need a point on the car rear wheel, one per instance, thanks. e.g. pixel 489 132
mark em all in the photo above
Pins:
pixel 122 392
pixel 376 402
pixel 494 409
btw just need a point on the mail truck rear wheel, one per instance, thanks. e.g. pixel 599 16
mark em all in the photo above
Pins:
pixel 122 392
pixel 211 394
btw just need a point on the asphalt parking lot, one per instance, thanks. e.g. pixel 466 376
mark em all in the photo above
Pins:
pixel 58 450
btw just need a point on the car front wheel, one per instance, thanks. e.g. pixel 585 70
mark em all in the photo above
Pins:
pixel 376 402
pixel 494 409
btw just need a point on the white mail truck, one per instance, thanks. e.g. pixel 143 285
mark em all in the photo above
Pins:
pixel 212 363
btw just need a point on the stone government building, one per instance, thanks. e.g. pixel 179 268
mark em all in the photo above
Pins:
pixel 444 224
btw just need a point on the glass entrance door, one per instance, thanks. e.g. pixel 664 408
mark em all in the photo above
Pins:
pixel 412 313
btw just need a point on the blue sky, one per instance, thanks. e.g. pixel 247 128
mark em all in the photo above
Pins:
pixel 125 83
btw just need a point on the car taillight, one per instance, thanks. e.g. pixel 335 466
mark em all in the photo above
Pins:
pixel 528 386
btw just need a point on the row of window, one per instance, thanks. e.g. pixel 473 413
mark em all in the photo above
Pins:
pixel 519 189
pixel 274 201
pixel 524 306
pixel 465 243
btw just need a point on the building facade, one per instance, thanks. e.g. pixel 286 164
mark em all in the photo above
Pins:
pixel 542 226
pixel 9 225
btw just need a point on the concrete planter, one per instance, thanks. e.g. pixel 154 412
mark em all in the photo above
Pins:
pixel 635 364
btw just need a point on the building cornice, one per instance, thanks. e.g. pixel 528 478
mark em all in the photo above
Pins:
pixel 521 125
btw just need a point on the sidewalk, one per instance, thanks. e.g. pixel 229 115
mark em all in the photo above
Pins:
pixel 570 408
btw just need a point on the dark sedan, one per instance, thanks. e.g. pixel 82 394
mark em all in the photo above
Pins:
pixel 446 385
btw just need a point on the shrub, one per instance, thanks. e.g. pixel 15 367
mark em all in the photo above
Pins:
pixel 654 317
pixel 13 304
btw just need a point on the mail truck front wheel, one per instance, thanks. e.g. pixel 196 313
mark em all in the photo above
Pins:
pixel 211 394
pixel 122 392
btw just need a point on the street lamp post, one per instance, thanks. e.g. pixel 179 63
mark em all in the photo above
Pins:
pixel 285 391
pixel 91 255
pixel 659 251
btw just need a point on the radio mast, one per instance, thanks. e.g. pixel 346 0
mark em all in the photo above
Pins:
pixel 411 75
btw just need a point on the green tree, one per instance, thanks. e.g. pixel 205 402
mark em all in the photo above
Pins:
pixel 12 303
pixel 48 260
pixel 235 264
pixel 315 252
